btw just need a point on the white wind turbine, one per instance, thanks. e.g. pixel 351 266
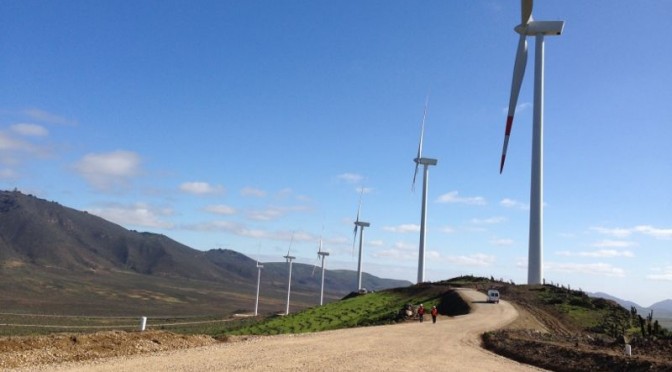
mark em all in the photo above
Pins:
pixel 289 281
pixel 426 162
pixel 256 304
pixel 359 225
pixel 321 255
pixel 538 29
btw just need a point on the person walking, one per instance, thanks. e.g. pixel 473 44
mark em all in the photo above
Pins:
pixel 435 312
pixel 421 313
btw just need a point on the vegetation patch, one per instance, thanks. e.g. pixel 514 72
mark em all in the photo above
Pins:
pixel 358 310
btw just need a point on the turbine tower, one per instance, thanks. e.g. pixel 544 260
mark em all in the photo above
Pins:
pixel 289 281
pixel 426 162
pixel 256 304
pixel 321 255
pixel 359 225
pixel 538 29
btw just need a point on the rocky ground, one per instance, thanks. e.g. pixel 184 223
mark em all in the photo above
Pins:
pixel 27 351
pixel 535 337
pixel 538 338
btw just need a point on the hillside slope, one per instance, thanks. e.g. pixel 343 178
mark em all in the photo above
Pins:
pixel 56 258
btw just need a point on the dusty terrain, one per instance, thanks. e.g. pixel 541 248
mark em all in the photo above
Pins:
pixel 451 343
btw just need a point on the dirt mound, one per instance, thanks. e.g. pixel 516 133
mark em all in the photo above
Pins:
pixel 58 348
pixel 563 353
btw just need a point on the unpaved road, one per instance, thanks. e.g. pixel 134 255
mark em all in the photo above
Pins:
pixel 452 344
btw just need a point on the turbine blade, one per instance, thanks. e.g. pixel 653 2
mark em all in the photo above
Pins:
pixel 526 11
pixel 518 73
pixel 415 174
pixel 422 137
pixel 422 129
pixel 359 208
pixel 290 243
pixel 354 240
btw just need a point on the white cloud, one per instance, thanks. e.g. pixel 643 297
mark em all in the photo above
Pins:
pixel 47 117
pixel 648 230
pixel 273 213
pixel 447 229
pixel 109 170
pixel 501 242
pixel 654 232
pixel 29 130
pixel 664 273
pixel 474 260
pixel 350 177
pixel 615 232
pixel 245 231
pixel 7 174
pixel 602 253
pixel 200 188
pixel 220 209
pixel 364 190
pixel 138 214
pixel 510 203
pixel 453 197
pixel 613 244
pixel 406 228
pixel 599 268
pixel 487 221
pixel 252 191
pixel 268 214
pixel 399 251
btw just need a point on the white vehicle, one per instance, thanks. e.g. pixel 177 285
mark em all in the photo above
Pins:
pixel 493 296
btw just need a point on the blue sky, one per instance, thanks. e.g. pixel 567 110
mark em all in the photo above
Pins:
pixel 239 124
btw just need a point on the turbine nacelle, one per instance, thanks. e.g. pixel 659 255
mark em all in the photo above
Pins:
pixel 289 258
pixel 548 28
pixel 425 161
pixel 322 253
pixel 260 266
pixel 362 224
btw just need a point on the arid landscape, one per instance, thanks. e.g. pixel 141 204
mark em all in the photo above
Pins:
pixel 520 328
pixel 80 302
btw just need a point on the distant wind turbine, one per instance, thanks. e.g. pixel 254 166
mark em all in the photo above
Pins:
pixel 538 29
pixel 321 255
pixel 426 162
pixel 359 225
pixel 289 281
pixel 256 305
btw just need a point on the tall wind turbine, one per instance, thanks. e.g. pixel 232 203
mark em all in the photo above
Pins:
pixel 289 281
pixel 359 225
pixel 538 29
pixel 426 162
pixel 321 255
pixel 256 304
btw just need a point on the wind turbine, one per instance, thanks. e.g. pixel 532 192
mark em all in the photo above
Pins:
pixel 289 281
pixel 426 162
pixel 321 255
pixel 359 225
pixel 538 29
pixel 256 305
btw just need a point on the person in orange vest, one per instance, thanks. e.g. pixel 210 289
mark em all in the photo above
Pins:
pixel 421 313
pixel 435 312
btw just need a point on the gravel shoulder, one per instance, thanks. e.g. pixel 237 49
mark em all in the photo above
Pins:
pixel 451 343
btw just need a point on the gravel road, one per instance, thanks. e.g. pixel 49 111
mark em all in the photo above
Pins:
pixel 452 344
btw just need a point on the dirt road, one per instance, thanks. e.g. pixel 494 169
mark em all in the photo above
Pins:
pixel 452 344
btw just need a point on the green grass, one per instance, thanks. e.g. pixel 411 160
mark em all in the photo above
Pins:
pixel 365 310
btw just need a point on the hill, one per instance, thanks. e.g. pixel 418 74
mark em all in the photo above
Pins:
pixel 59 260
pixel 662 311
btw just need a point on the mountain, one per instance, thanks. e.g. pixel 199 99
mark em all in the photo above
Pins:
pixel 624 303
pixel 661 310
pixel 665 306
pixel 57 258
